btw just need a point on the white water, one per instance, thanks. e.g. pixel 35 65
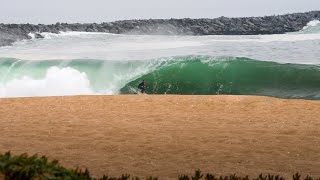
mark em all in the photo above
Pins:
pixel 65 81
pixel 312 27
pixel 300 47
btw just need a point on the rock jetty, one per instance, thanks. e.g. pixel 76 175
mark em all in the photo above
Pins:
pixel 279 24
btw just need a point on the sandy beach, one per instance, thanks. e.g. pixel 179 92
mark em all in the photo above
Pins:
pixel 166 135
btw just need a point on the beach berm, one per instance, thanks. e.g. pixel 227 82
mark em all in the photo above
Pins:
pixel 166 135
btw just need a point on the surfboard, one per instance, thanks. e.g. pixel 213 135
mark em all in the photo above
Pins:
pixel 135 91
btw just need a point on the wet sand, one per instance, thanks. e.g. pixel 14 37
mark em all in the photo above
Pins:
pixel 166 135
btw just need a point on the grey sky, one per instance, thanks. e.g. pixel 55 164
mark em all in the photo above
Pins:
pixel 51 11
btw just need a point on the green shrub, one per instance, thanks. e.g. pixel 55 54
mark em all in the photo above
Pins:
pixel 24 167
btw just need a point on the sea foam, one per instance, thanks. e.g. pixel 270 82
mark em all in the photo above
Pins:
pixel 57 82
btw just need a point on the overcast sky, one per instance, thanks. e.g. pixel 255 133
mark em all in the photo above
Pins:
pixel 51 11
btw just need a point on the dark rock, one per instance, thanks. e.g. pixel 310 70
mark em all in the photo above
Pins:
pixel 10 33
pixel 38 36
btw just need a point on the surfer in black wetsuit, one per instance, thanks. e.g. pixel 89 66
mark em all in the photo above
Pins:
pixel 142 87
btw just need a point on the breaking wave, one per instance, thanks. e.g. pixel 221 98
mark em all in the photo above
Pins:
pixel 173 75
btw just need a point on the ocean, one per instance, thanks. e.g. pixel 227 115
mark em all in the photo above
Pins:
pixel 79 63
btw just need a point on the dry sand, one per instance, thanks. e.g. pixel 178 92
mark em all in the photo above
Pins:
pixel 166 135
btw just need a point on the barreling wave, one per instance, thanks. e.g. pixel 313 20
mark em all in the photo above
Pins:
pixel 237 76
pixel 200 75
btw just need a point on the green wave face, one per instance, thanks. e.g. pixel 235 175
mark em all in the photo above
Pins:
pixel 237 76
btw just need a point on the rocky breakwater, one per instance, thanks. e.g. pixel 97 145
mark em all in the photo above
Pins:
pixel 10 33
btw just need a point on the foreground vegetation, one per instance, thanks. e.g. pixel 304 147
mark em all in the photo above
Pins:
pixel 24 167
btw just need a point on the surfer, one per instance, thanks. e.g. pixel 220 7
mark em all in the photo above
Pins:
pixel 142 87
